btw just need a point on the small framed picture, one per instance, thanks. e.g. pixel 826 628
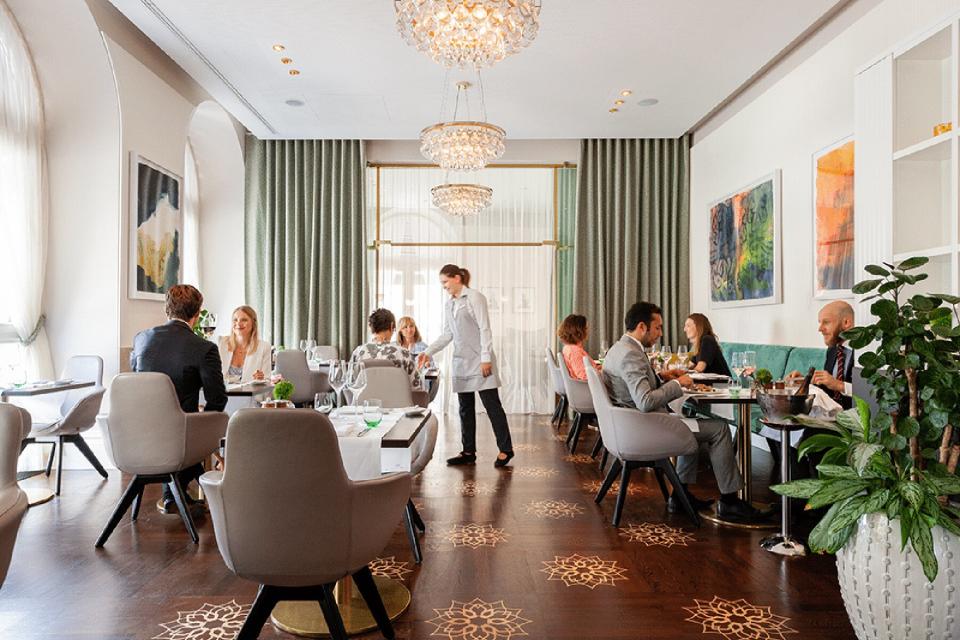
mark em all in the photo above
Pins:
pixel 492 294
pixel 523 299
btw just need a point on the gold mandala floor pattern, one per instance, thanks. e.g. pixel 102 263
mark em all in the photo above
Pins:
pixel 478 620
pixel 209 622
pixel 526 448
pixel 555 509
pixel 475 536
pixel 389 568
pixel 579 458
pixel 535 472
pixel 738 620
pixel 472 489
pixel 593 486
pixel 584 571
pixel 656 534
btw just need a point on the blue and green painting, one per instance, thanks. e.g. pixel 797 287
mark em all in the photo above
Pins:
pixel 742 249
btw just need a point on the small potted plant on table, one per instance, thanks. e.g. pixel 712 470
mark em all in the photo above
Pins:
pixel 282 392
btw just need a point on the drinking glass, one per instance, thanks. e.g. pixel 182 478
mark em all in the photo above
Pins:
pixel 749 362
pixel 323 402
pixel 736 365
pixel 372 413
pixel 666 357
pixel 209 325
pixel 357 383
pixel 683 355
pixel 337 377
pixel 311 344
pixel 303 345
pixel 604 347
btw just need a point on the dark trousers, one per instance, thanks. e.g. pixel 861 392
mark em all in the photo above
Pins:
pixel 468 420
pixel 186 476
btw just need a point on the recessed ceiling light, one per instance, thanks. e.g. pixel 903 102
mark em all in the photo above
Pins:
pixel 278 48
pixel 293 102
pixel 294 72
pixel 648 102
pixel 626 92
pixel 286 60
pixel 614 110
pixel 618 102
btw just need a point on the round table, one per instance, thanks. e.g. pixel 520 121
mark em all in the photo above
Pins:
pixel 783 543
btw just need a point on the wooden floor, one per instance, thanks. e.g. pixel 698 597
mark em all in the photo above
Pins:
pixel 525 549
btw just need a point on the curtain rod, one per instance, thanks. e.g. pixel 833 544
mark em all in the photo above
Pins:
pixel 421 165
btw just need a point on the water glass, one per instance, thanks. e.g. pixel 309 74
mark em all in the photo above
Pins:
pixel 604 347
pixel 357 382
pixel 323 402
pixel 372 413
pixel 749 362
pixel 736 366
pixel 683 355
pixel 311 344
pixel 303 346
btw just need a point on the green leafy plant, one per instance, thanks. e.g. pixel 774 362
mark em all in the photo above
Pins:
pixel 283 390
pixel 898 460
pixel 762 377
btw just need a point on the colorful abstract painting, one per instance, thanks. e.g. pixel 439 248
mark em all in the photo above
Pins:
pixel 745 245
pixel 156 230
pixel 833 221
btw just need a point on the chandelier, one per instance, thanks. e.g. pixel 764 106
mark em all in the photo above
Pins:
pixel 468 33
pixel 461 199
pixel 466 145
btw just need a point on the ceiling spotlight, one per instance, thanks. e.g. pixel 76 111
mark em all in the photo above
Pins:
pixel 618 102
pixel 626 92
pixel 278 48
pixel 286 60
pixel 293 102
pixel 294 72
pixel 648 102
pixel 614 110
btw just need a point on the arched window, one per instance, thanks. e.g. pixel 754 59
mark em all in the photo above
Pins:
pixel 22 208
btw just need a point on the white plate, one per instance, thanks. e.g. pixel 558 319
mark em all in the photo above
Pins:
pixel 257 382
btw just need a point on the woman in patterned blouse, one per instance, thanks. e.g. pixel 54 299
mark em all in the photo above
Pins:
pixel 382 327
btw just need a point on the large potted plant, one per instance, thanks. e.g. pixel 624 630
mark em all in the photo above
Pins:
pixel 886 477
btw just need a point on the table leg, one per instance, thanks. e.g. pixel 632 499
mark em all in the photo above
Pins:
pixel 745 451
pixel 784 544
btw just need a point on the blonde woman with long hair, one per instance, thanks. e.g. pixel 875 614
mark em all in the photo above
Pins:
pixel 244 356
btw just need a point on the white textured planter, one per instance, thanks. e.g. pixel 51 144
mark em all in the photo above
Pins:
pixel 885 592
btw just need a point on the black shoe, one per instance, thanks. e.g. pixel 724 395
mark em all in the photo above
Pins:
pixel 675 506
pixel 462 459
pixel 502 462
pixel 169 507
pixel 737 509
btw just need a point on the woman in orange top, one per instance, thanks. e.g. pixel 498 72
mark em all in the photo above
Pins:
pixel 573 333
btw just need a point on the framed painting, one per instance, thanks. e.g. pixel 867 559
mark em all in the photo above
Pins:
pixel 156 229
pixel 834 268
pixel 523 299
pixel 745 245
pixel 492 294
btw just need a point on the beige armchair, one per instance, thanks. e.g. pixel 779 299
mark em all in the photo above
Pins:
pixel 14 426
pixel 150 437
pixel 560 411
pixel 391 385
pixel 327 526
pixel 292 365
pixel 579 399
pixel 637 439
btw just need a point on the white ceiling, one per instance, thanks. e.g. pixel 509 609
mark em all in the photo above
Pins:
pixel 361 80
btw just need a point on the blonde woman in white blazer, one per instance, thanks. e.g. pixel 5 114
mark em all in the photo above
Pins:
pixel 244 355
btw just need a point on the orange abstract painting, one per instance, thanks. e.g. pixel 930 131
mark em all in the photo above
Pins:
pixel 833 220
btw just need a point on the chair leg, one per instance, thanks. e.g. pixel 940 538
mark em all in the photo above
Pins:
pixel 563 411
pixel 135 511
pixel 415 516
pixel 663 485
pixel 678 490
pixel 556 412
pixel 622 495
pixel 53 452
pixel 59 464
pixel 84 448
pixel 597 446
pixel 132 490
pixel 412 535
pixel 331 613
pixel 573 428
pixel 260 612
pixel 603 460
pixel 363 579
pixel 575 436
pixel 608 481
pixel 183 507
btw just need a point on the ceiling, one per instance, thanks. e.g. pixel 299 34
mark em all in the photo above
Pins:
pixel 359 79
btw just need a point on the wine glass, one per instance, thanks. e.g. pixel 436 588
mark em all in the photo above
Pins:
pixel 749 362
pixel 209 325
pixel 303 345
pixel 311 344
pixel 736 365
pixel 666 357
pixel 337 377
pixel 683 355
pixel 357 383
pixel 604 347
pixel 323 402
pixel 372 413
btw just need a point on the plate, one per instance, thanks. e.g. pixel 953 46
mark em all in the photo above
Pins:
pixel 257 382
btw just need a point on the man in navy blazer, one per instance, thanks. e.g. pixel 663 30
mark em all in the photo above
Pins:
pixel 836 377
pixel 191 362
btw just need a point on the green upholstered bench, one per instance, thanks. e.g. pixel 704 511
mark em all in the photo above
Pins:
pixel 779 359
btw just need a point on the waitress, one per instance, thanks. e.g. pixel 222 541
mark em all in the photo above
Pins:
pixel 467 325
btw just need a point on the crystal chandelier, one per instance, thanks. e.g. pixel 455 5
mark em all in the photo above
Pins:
pixel 461 199
pixel 468 33
pixel 466 145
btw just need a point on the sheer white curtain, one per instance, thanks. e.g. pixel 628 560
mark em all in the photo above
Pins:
pixel 23 205
pixel 191 219
pixel 517 280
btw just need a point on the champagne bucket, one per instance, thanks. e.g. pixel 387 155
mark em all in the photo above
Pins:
pixel 777 404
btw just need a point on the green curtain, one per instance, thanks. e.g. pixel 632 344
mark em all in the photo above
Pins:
pixel 566 232
pixel 305 253
pixel 632 233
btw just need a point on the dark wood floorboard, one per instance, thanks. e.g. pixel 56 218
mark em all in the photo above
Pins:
pixel 60 587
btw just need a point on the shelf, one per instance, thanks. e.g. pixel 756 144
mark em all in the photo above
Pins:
pixel 932 252
pixel 936 47
pixel 929 150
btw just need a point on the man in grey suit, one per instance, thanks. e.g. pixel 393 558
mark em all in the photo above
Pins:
pixel 632 382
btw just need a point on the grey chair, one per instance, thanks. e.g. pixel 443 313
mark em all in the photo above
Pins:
pixel 560 411
pixel 391 385
pixel 327 526
pixel 636 439
pixel 326 352
pixel 424 455
pixel 14 426
pixel 578 396
pixel 150 437
pixel 292 365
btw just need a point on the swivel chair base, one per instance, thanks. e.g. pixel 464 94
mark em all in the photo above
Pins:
pixel 133 495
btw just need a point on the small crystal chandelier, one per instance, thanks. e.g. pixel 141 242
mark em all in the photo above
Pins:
pixel 461 199
pixel 468 33
pixel 465 145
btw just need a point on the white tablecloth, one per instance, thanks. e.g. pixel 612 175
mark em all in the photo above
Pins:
pixel 361 455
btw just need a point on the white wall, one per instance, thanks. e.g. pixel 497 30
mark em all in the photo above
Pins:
pixel 518 152
pixel 807 110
